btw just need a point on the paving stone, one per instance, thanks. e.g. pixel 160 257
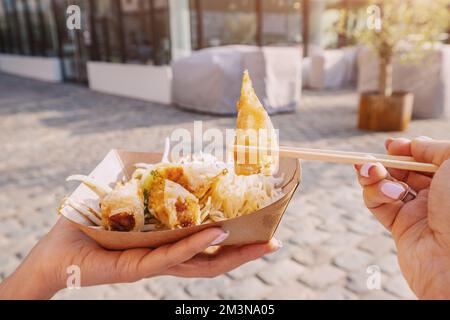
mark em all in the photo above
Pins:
pixel 249 288
pixel 313 255
pixel 364 226
pixel 378 295
pixel 281 272
pixel 162 287
pixel 90 293
pixel 308 221
pixel 206 288
pixel 283 233
pixel 293 290
pixel 309 236
pixel 21 248
pixel 357 282
pixel 4 240
pixel 398 286
pixel 388 263
pixel 347 239
pixel 9 226
pixel 305 255
pixel 133 291
pixel 176 293
pixel 249 269
pixel 7 265
pixel 353 259
pixel 322 276
pixel 283 253
pixel 332 226
pixel 325 211
pixel 377 245
pixel 336 293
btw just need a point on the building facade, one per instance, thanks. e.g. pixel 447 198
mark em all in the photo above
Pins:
pixel 156 31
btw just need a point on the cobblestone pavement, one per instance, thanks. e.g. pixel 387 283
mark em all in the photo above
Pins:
pixel 50 131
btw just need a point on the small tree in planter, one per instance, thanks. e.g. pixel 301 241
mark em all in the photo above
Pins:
pixel 404 29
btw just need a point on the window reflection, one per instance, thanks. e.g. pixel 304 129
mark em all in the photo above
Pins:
pixel 229 22
pixel 10 22
pixel 238 22
pixel 133 31
pixel 27 27
pixel 4 46
pixel 282 21
pixel 106 30
pixel 48 37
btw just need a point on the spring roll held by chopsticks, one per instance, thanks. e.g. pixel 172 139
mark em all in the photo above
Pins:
pixel 254 129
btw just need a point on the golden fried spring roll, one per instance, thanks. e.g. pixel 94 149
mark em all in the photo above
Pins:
pixel 254 129
pixel 195 178
pixel 123 208
pixel 171 204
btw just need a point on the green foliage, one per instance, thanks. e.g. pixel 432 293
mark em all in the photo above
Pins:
pixel 405 28
pixel 408 28
pixel 351 21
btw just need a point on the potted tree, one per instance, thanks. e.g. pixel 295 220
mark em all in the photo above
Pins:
pixel 404 29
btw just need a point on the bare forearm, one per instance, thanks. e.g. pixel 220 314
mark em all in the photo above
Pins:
pixel 29 282
pixel 25 285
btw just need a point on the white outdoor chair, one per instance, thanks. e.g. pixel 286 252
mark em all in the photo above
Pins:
pixel 209 80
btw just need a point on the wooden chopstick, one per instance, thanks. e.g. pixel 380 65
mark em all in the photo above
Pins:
pixel 375 155
pixel 397 162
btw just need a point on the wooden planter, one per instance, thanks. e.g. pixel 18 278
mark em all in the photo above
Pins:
pixel 381 113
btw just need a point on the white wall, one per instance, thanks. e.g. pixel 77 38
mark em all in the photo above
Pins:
pixel 145 82
pixel 40 68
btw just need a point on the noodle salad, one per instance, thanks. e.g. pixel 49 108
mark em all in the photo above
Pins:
pixel 194 190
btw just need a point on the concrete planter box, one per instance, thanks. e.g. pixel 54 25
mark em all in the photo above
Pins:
pixel 145 82
pixel 40 68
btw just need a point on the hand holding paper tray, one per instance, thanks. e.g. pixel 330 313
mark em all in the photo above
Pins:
pixel 258 226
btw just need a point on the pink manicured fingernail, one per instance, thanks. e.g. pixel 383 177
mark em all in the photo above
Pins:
pixel 220 238
pixel 364 171
pixel 275 245
pixel 388 142
pixel 279 244
pixel 392 190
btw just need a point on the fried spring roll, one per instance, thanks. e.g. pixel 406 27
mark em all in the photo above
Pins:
pixel 171 203
pixel 122 208
pixel 254 129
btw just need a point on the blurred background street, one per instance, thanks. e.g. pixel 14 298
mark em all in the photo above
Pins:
pixel 50 131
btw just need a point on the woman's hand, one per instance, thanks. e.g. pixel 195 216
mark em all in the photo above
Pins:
pixel 420 227
pixel 44 271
